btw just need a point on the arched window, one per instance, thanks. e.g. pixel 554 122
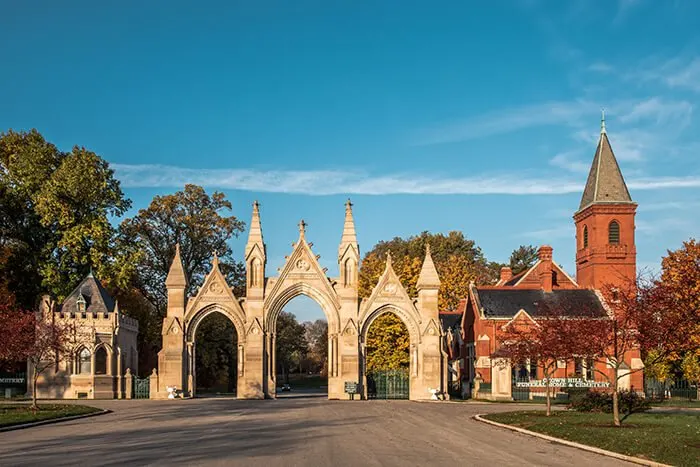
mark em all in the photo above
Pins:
pixel 614 233
pixel 585 236
pixel 101 361
pixel 84 366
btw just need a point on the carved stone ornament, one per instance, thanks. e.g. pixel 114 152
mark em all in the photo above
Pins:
pixel 303 265
pixel 216 288
pixel 390 289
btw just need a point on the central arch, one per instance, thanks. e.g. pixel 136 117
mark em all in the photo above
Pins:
pixel 274 306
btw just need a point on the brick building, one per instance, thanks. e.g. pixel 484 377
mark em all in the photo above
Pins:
pixel 605 255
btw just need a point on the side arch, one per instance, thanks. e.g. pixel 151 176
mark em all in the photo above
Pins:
pixel 194 319
pixel 410 320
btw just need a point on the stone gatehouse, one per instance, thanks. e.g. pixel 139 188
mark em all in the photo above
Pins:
pixel 255 315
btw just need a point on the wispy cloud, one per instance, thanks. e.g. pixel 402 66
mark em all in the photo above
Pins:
pixel 509 120
pixel 570 161
pixel 331 182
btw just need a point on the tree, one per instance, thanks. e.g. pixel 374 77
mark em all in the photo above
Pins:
pixel 388 343
pixel 41 341
pixel 54 217
pixel 644 317
pixel 523 258
pixel 691 369
pixel 680 284
pixel 457 259
pixel 559 333
pixel 216 353
pixel 201 224
pixel 291 342
pixel 316 335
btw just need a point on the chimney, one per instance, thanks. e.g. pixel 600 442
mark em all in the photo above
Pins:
pixel 506 275
pixel 545 267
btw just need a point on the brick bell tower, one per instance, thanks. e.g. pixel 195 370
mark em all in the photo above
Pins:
pixel 605 248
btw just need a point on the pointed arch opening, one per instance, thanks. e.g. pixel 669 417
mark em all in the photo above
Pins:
pixel 101 360
pixel 389 354
pixel 301 348
pixel 214 352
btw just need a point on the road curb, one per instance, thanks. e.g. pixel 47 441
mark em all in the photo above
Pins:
pixel 583 447
pixel 53 420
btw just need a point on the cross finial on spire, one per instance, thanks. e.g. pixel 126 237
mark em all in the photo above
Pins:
pixel 388 258
pixel 302 227
pixel 215 260
pixel 256 205
pixel 602 120
pixel 348 205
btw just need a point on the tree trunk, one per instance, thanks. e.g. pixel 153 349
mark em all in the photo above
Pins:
pixel 616 405
pixel 35 377
pixel 549 399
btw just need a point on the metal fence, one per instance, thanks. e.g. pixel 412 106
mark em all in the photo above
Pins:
pixel 678 391
pixel 12 384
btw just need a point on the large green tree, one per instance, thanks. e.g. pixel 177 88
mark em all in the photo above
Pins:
pixel 202 224
pixel 55 209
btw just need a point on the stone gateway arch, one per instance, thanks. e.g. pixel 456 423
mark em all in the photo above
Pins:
pixel 255 316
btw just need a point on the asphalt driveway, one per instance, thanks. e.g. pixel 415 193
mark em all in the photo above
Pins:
pixel 294 431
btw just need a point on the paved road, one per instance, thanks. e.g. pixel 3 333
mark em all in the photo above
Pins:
pixel 294 431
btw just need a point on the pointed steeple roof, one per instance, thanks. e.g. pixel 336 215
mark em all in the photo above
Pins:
pixel 349 236
pixel 176 275
pixel 428 277
pixel 605 182
pixel 255 236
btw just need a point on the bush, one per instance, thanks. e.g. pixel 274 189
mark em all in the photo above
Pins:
pixel 594 401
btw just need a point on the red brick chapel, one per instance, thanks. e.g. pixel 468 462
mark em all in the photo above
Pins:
pixel 605 256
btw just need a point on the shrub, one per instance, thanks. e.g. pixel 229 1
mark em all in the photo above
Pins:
pixel 595 401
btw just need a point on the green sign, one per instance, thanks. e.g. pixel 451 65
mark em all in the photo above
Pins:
pixel 351 387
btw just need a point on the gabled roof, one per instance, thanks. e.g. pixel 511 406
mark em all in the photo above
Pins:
pixel 498 302
pixel 97 299
pixel 605 183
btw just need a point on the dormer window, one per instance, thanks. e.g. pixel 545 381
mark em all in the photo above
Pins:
pixel 80 303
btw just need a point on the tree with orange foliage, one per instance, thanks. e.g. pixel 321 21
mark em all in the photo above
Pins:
pixel 558 333
pixel 40 341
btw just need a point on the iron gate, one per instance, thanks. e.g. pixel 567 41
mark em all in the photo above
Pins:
pixel 388 384
pixel 142 388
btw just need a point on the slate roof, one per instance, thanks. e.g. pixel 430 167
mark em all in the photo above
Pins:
pixel 605 183
pixel 506 303
pixel 450 320
pixel 97 300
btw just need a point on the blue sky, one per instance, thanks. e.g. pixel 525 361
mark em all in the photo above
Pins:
pixel 430 116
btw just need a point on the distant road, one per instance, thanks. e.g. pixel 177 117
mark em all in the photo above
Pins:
pixel 301 430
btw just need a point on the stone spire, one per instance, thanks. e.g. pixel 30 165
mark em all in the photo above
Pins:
pixel 428 277
pixel 605 183
pixel 349 236
pixel 176 276
pixel 255 236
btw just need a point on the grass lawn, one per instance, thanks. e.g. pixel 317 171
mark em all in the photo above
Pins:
pixel 17 414
pixel 668 438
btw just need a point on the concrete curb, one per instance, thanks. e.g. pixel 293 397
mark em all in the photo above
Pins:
pixel 584 447
pixel 53 420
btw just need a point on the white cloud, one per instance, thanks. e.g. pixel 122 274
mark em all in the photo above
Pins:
pixel 331 182
pixel 569 161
